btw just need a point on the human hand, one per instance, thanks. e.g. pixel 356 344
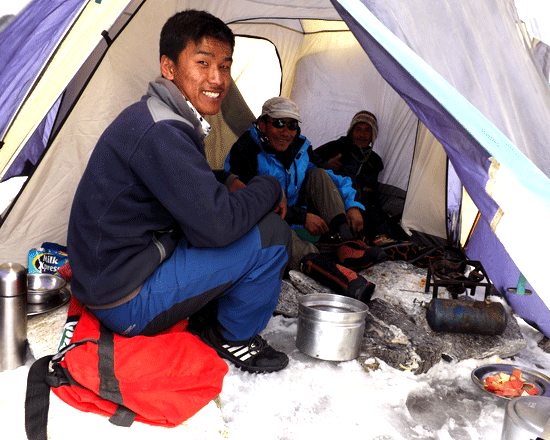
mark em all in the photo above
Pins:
pixel 355 219
pixel 334 162
pixel 282 207
pixel 236 184
pixel 315 225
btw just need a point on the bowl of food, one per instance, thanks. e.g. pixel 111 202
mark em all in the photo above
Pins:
pixel 510 381
pixel 43 287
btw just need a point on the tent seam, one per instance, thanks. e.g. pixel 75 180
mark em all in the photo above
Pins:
pixel 492 174
pixel 496 219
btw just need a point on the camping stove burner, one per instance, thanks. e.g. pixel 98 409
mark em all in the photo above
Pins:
pixel 456 276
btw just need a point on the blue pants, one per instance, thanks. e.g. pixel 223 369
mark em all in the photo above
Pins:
pixel 244 277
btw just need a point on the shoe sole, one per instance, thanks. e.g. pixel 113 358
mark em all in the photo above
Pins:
pixel 249 369
pixel 227 355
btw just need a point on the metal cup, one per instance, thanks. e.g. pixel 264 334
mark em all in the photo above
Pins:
pixel 13 316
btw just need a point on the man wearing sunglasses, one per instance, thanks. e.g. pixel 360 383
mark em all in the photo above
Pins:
pixel 322 202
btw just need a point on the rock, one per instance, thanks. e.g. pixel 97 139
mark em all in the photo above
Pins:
pixel 292 289
pixel 397 331
pixel 544 344
pixel 406 341
pixel 288 300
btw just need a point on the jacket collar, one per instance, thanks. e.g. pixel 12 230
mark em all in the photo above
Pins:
pixel 168 93
pixel 287 157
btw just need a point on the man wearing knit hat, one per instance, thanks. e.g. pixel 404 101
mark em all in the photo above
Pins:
pixel 319 200
pixel 353 156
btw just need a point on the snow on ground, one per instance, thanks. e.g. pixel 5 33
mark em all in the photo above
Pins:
pixel 326 400
pixel 310 399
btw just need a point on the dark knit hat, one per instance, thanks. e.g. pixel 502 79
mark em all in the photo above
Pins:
pixel 367 117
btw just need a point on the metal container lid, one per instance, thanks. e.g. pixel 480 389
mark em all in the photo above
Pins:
pixel 332 308
pixel 13 280
pixel 529 412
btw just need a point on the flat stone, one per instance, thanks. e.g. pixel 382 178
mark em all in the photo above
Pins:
pixel 544 344
pixel 288 300
pixel 406 341
pixel 292 289
pixel 397 331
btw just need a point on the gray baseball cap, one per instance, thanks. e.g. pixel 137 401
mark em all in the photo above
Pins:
pixel 280 107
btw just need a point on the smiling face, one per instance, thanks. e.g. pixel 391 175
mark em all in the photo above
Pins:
pixel 202 73
pixel 279 138
pixel 361 135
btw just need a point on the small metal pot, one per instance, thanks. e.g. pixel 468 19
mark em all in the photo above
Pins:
pixel 330 327
pixel 526 418
pixel 43 287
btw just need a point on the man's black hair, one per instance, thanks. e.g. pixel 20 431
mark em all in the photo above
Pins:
pixel 191 25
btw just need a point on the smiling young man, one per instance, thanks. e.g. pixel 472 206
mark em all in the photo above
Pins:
pixel 155 234
pixel 320 201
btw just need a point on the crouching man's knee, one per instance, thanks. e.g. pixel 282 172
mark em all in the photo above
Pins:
pixel 317 174
pixel 274 231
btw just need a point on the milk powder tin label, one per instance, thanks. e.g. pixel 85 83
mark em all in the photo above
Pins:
pixel 44 261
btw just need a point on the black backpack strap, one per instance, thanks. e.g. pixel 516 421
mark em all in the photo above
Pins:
pixel 123 417
pixel 37 400
pixel 40 380
pixel 109 386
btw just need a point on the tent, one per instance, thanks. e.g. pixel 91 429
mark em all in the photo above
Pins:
pixel 461 92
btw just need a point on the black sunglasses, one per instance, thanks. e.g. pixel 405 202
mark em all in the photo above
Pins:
pixel 280 123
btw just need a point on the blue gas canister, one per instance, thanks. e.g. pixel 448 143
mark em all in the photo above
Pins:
pixel 463 316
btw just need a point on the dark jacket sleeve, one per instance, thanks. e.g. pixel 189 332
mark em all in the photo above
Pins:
pixel 371 168
pixel 180 178
pixel 243 159
pixel 328 150
pixel 222 176
pixel 317 160
pixel 296 215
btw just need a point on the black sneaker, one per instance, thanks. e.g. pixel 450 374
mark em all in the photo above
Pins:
pixel 254 356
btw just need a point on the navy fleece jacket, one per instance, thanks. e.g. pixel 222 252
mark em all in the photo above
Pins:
pixel 148 185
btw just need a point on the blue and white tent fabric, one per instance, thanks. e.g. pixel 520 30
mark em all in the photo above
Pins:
pixel 460 89
pixel 482 156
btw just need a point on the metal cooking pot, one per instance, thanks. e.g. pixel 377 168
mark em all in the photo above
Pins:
pixel 330 327
pixel 526 418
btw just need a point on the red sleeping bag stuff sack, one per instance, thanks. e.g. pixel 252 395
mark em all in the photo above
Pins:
pixel 159 380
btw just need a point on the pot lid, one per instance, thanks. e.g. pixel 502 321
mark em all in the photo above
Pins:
pixel 529 412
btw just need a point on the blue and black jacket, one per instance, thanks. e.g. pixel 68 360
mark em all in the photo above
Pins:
pixel 250 156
